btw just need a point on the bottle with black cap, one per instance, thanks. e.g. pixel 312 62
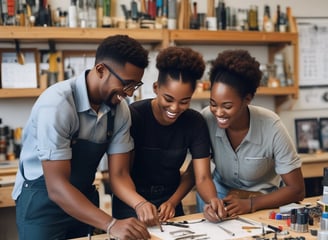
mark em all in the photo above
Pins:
pixel 325 186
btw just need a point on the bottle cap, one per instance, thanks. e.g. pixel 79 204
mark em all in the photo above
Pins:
pixel 278 216
pixel 324 215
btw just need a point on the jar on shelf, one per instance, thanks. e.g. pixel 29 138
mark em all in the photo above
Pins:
pixel 273 81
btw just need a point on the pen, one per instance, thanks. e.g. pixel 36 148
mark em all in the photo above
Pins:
pixel 226 230
pixel 274 228
pixel 176 224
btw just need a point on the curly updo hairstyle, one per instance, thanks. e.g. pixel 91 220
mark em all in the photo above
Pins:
pixel 180 63
pixel 238 69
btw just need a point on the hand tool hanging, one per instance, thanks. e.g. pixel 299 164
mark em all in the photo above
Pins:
pixel 53 63
pixel 19 54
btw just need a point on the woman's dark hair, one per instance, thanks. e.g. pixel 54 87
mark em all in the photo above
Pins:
pixel 122 49
pixel 181 64
pixel 238 69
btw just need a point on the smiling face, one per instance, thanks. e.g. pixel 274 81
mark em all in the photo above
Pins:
pixel 173 98
pixel 110 89
pixel 228 107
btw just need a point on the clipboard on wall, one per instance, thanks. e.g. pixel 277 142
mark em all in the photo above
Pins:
pixel 15 75
pixel 313 51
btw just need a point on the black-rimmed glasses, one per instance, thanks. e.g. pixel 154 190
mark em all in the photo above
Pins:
pixel 128 85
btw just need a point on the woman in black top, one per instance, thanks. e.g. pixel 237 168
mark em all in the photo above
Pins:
pixel 164 130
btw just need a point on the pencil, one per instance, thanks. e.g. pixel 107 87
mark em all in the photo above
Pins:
pixel 226 230
pixel 250 227
pixel 160 227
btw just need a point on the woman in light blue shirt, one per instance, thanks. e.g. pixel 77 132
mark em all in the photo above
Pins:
pixel 252 151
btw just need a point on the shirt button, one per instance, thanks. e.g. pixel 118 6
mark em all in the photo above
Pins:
pixel 26 184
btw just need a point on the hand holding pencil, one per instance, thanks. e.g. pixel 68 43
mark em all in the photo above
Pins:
pixel 148 214
pixel 214 211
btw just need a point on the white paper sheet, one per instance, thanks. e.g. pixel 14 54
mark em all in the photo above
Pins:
pixel 211 230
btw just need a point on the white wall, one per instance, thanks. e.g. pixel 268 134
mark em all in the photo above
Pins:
pixel 14 112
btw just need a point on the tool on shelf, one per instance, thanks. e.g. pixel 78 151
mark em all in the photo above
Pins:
pixel 19 53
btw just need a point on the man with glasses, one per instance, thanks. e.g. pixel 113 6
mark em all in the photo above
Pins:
pixel 72 125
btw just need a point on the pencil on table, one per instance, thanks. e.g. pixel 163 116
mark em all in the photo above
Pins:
pixel 250 227
pixel 160 227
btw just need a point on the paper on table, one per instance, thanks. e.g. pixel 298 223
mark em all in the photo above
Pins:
pixel 211 229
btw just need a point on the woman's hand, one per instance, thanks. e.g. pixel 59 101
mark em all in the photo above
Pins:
pixel 236 206
pixel 147 213
pixel 215 211
pixel 166 211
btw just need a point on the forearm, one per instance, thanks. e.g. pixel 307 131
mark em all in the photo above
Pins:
pixel 67 196
pixel 282 196
pixel 186 184
pixel 206 189
pixel 124 188
pixel 293 191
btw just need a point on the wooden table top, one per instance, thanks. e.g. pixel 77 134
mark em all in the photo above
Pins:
pixel 259 216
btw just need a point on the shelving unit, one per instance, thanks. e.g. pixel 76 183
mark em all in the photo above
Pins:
pixel 158 39
pixel 274 41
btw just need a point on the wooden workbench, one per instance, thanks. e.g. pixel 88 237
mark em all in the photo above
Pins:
pixel 8 172
pixel 259 216
pixel 313 164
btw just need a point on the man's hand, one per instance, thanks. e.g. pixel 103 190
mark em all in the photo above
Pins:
pixel 130 228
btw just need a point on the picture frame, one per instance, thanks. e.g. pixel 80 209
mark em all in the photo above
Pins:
pixel 19 75
pixel 312 63
pixel 323 123
pixel 307 135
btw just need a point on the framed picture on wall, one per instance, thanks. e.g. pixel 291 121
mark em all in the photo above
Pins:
pixel 323 122
pixel 307 135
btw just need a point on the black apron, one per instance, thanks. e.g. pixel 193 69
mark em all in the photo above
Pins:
pixel 40 218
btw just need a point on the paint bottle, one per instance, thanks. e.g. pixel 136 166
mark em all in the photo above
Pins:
pixel 72 14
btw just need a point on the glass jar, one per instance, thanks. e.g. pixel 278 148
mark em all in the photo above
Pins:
pixel 272 75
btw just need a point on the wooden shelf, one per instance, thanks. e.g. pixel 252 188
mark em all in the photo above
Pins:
pixel 231 37
pixel 76 35
pixel 20 92
pixel 261 91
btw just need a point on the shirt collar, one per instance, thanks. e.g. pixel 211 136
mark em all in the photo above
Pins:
pixel 254 133
pixel 81 94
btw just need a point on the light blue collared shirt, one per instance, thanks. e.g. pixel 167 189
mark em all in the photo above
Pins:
pixel 61 111
pixel 266 152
